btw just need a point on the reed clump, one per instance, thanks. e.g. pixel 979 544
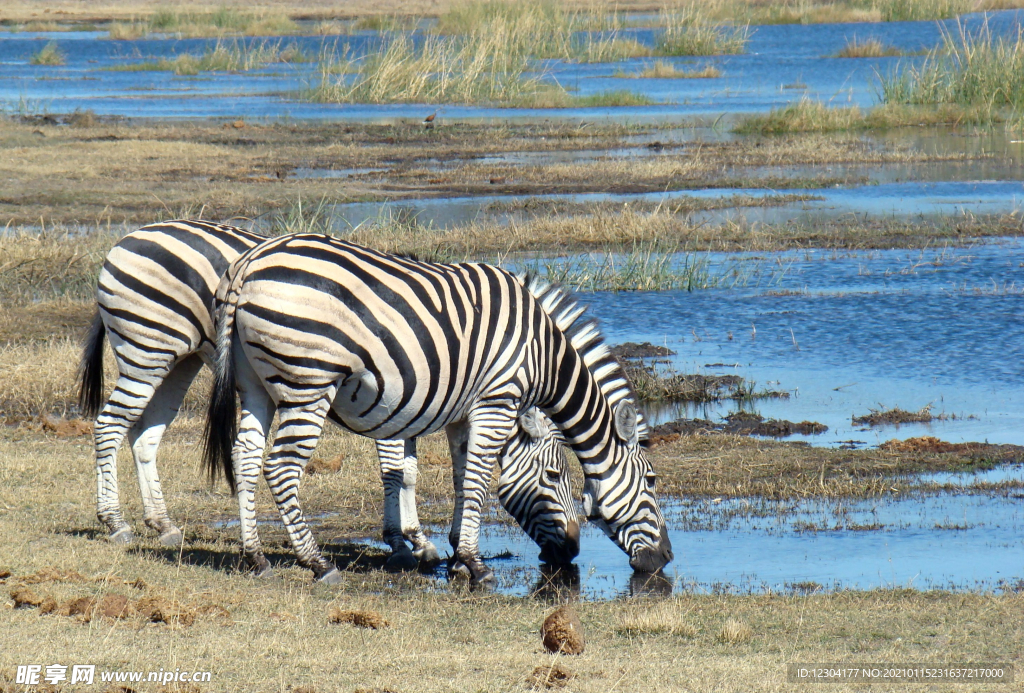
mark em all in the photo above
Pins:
pixel 688 30
pixel 50 54
pixel 803 116
pixel 868 48
pixel 491 66
pixel 969 70
pixel 237 57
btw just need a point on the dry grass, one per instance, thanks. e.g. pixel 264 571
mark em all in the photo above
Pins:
pixel 449 638
pixel 661 69
pixel 868 48
pixel 735 633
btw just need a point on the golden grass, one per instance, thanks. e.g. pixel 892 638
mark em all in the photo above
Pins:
pixel 806 116
pixel 254 634
pixel 661 69
pixel 868 48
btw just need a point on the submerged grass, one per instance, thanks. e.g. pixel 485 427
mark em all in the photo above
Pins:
pixel 49 54
pixel 661 69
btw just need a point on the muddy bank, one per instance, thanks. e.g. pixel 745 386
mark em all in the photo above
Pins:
pixel 740 423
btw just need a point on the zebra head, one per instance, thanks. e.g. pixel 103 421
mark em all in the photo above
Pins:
pixel 619 496
pixel 534 487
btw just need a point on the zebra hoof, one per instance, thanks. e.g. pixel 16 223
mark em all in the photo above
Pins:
pixel 263 571
pixel 427 556
pixel 485 577
pixel 401 562
pixel 122 536
pixel 331 577
pixel 172 537
pixel 458 570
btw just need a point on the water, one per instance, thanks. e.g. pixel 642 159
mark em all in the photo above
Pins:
pixel 783 63
pixel 845 332
pixel 958 541
pixel 897 200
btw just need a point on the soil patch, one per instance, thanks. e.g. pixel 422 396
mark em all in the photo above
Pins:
pixel 739 423
pixel 632 350
pixel 554 676
pixel 897 416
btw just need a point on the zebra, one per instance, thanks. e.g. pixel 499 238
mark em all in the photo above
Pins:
pixel 154 296
pixel 310 326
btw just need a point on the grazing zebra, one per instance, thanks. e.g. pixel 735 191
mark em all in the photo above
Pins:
pixel 154 294
pixel 310 326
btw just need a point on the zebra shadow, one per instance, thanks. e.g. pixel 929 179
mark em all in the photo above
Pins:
pixel 347 556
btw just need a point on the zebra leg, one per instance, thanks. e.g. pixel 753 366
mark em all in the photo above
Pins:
pixel 458 442
pixel 398 472
pixel 391 454
pixel 127 402
pixel 299 428
pixel 247 459
pixel 144 437
pixel 490 426
pixel 422 548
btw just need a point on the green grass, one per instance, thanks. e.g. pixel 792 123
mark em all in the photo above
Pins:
pixel 688 31
pixel 813 116
pixel 920 10
pixel 223 58
pixel 646 267
pixel 49 54
pixel 968 70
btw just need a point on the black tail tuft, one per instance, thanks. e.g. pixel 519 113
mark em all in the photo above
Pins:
pixel 221 423
pixel 90 370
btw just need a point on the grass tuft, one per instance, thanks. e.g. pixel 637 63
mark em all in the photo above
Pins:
pixel 735 632
pixel 49 54
pixel 661 618
pixel 973 71
pixel 688 31
pixel 238 57
pixel 803 116
pixel 661 69
pixel 868 48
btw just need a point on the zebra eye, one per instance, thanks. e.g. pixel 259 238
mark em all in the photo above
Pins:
pixel 553 475
pixel 650 481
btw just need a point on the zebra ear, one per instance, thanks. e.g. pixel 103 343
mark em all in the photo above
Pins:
pixel 625 422
pixel 531 422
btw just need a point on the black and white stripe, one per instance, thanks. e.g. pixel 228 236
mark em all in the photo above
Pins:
pixel 311 326
pixel 154 296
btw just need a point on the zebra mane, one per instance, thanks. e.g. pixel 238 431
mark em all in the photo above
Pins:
pixel 581 329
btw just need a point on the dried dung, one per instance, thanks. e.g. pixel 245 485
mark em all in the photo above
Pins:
pixel 48 606
pixel 53 575
pixel 358 617
pixel 113 606
pixel 318 465
pixel 562 632
pixel 66 428
pixel 83 606
pixel 554 676
pixel 160 610
pixel 25 598
pixel 4 573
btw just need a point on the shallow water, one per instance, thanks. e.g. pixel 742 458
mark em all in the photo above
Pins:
pixel 783 63
pixel 904 199
pixel 846 332
pixel 962 541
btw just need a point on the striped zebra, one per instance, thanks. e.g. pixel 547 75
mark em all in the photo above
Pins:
pixel 154 296
pixel 309 326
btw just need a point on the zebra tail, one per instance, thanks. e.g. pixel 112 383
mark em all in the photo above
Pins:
pixel 90 370
pixel 221 419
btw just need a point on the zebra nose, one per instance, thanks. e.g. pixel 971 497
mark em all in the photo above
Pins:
pixel 651 559
pixel 563 553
